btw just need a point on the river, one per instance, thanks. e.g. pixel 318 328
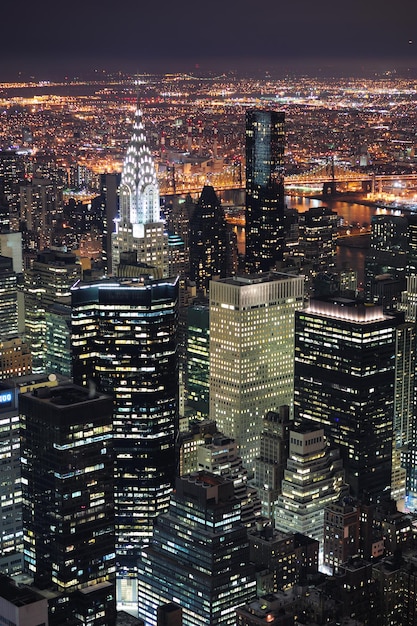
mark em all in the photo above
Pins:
pixel 351 212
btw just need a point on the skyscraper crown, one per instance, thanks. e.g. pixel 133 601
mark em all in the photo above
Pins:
pixel 139 191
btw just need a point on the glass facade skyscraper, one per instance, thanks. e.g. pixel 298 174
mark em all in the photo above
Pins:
pixel 124 341
pixel 265 143
pixel 344 380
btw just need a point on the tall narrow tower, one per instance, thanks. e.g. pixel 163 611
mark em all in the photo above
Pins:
pixel 139 227
pixel 264 189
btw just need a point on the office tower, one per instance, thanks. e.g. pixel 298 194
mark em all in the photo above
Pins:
pixel 317 229
pixel 41 205
pixel 198 360
pixel 199 555
pixel 178 217
pixel 68 501
pixel 411 269
pixel 124 341
pixel 189 442
pixel 177 256
pixel 218 455
pixel 47 291
pixel 8 299
pixel 109 192
pixel 313 479
pixel 20 605
pixel 404 409
pixel 139 226
pixel 408 303
pixel 12 175
pixel 11 530
pixel 387 257
pixel 341 532
pixel 15 358
pixel 251 353
pixel 344 380
pixel 265 143
pixel 281 559
pixel 210 241
pixel 272 459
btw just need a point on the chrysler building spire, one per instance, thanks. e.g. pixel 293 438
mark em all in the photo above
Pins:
pixel 139 190
pixel 139 227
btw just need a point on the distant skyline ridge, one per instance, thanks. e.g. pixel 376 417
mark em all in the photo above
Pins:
pixel 40 69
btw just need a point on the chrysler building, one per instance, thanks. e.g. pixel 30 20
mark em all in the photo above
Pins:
pixel 139 227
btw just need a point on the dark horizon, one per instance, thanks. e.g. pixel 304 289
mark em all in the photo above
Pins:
pixel 48 41
pixel 47 69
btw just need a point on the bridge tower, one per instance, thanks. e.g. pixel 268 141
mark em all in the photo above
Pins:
pixel 329 187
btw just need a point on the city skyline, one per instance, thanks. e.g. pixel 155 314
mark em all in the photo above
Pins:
pixel 136 38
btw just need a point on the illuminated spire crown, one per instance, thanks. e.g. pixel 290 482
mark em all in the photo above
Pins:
pixel 139 190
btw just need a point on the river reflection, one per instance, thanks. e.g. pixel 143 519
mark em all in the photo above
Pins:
pixel 351 212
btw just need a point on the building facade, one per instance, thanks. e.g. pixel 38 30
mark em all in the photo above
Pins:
pixel 313 479
pixel 124 342
pixel 199 556
pixel 265 144
pixel 251 353
pixel 210 242
pixel 139 226
pixel 344 379
pixel 68 499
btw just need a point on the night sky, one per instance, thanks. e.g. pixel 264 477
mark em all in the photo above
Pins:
pixel 49 37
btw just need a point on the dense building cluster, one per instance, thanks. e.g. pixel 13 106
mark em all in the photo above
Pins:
pixel 192 433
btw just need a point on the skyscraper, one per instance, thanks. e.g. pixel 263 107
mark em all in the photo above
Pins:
pixel 199 556
pixel 68 500
pixel 272 459
pixel 313 479
pixel 139 226
pixel 251 353
pixel 344 380
pixel 218 455
pixel 265 141
pixel 47 290
pixel 8 299
pixel 317 239
pixel 387 256
pixel 124 341
pixel 109 189
pixel 210 241
pixel 198 360
pixel 404 409
pixel 11 529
